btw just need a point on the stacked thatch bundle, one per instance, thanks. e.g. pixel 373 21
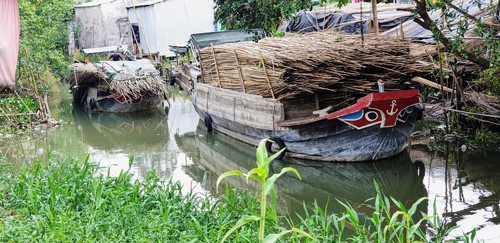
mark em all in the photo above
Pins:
pixel 316 62
pixel 85 75
pixel 129 79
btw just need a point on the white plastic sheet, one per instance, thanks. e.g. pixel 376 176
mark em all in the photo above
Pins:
pixel 9 42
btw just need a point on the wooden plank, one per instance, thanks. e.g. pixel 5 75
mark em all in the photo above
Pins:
pixel 431 84
pixel 246 109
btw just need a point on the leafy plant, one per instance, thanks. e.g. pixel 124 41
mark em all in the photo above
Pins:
pixel 262 14
pixel 15 112
pixel 260 174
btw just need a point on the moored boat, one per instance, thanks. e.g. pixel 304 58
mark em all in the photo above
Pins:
pixel 378 126
pixel 118 86
pixel 322 106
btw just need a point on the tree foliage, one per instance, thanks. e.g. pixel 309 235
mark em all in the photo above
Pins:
pixel 44 41
pixel 262 14
pixel 256 14
pixel 457 20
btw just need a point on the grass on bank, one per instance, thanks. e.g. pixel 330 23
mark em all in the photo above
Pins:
pixel 68 201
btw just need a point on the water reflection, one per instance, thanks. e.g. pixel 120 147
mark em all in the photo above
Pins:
pixel 112 138
pixel 215 153
pixel 121 131
pixel 466 187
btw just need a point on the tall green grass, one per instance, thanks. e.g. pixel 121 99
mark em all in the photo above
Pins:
pixel 69 201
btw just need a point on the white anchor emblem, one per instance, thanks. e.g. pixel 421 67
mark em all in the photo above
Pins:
pixel 392 112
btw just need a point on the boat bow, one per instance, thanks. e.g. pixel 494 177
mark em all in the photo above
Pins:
pixel 379 108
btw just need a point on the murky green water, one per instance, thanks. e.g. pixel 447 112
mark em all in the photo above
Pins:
pixel 465 186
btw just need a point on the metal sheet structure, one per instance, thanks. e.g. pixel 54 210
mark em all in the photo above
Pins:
pixel 101 23
pixel 170 22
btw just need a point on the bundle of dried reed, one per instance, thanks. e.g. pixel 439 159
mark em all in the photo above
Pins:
pixel 134 87
pixel 82 74
pixel 322 61
pixel 129 85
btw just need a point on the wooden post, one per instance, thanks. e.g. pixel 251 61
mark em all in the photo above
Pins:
pixel 375 16
pixel 239 72
pixel 267 76
pixel 401 30
pixel 316 101
pixel 216 67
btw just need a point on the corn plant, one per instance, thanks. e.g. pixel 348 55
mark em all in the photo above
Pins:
pixel 261 175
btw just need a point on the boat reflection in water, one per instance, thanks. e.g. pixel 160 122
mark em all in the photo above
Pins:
pixel 114 137
pixel 398 177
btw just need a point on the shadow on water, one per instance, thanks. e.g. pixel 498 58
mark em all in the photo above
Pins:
pixel 215 153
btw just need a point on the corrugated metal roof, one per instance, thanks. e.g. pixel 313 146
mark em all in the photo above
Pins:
pixel 94 3
pixel 413 30
pixel 146 3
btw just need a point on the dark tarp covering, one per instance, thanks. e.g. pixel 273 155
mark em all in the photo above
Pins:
pixel 385 21
pixel 201 40
pixel 307 21
pixel 337 19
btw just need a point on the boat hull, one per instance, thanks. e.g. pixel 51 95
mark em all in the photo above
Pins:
pixel 119 104
pixel 324 139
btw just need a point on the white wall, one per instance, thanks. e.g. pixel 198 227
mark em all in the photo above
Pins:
pixel 172 22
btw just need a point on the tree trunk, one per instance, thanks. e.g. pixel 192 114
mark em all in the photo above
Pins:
pixel 426 22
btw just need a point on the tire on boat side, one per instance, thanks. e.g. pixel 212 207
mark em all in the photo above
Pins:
pixel 278 142
pixel 171 80
pixel 420 167
pixel 92 103
pixel 208 123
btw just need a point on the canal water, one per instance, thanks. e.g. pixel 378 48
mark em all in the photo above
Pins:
pixel 463 186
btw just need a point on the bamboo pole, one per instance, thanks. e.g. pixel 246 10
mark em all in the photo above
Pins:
pixel 375 16
pixel 239 72
pixel 431 84
pixel 216 67
pixel 267 76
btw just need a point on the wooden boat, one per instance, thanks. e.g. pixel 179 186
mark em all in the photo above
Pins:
pixel 278 89
pixel 118 86
pixel 378 126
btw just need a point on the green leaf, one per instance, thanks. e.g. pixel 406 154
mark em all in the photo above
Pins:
pixel 197 226
pixel 413 208
pixel 399 204
pixel 299 231
pixel 268 160
pixel 244 220
pixel 271 238
pixel 227 174
pixel 261 174
pixel 261 153
pixel 272 179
